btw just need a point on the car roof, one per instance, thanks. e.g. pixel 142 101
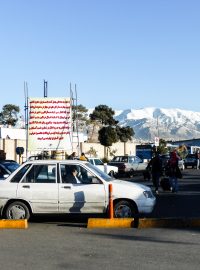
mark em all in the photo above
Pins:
pixel 125 156
pixel 55 161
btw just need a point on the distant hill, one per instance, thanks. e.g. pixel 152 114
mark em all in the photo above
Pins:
pixel 168 124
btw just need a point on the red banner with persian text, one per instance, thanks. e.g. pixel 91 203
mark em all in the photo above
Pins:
pixel 50 125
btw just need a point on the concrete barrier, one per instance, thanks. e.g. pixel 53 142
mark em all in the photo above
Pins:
pixel 144 223
pixel 110 223
pixel 169 223
pixel 13 224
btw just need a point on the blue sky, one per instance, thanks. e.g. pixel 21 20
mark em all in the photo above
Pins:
pixel 121 53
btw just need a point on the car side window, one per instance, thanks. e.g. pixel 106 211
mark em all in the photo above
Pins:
pixel 45 173
pixel 125 159
pixel 91 161
pixel 117 159
pixel 131 160
pixel 75 174
pixel 138 160
pixel 98 162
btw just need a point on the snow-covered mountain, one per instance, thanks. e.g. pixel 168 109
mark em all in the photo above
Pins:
pixel 168 124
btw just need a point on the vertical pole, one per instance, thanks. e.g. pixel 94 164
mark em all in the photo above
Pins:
pixel 26 115
pixel 158 126
pixel 15 146
pixel 77 127
pixel 45 88
pixel 111 211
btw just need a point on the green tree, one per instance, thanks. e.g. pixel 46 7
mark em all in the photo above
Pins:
pixel 108 136
pixel 103 114
pixel 92 152
pixel 79 112
pixel 9 114
pixel 110 132
pixel 125 133
pixel 79 116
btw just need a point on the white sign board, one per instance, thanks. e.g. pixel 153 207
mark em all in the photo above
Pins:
pixel 50 125
pixel 157 141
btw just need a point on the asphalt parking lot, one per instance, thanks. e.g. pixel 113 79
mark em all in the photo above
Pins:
pixel 182 204
pixel 50 245
pixel 66 243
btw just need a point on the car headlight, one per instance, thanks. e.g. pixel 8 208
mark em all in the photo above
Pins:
pixel 148 194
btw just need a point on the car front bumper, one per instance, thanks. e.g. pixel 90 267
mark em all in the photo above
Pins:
pixel 146 206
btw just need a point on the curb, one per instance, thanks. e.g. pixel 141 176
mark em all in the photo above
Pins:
pixel 144 223
pixel 13 224
pixel 110 223
pixel 169 223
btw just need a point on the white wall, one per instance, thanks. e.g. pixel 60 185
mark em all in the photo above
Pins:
pixel 12 133
pixel 9 147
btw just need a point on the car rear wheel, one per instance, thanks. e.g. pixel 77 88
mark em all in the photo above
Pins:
pixel 17 210
pixel 124 209
pixel 131 173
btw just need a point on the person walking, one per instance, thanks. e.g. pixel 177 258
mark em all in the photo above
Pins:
pixel 72 156
pixel 155 166
pixel 198 159
pixel 83 157
pixel 173 171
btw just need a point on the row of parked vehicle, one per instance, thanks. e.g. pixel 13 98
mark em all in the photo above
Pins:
pixel 132 165
pixel 118 166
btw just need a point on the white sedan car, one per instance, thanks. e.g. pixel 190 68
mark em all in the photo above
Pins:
pixel 109 169
pixel 48 187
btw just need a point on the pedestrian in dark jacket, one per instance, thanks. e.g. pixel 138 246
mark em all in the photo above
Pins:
pixel 173 171
pixel 155 166
pixel 72 156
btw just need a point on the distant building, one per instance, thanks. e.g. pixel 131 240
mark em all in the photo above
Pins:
pixel 193 145
pixel 12 133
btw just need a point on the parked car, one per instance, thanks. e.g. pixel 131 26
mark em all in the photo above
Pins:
pixel 7 167
pixel 129 165
pixel 109 169
pixel 43 187
pixel 190 161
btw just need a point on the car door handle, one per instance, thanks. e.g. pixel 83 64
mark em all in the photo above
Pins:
pixel 67 187
pixel 26 186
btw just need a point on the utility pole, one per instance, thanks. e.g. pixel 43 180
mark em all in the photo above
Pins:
pixel 45 88
pixel 157 127
pixel 75 124
pixel 26 114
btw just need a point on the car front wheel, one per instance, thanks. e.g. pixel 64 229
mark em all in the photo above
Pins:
pixel 17 210
pixel 124 209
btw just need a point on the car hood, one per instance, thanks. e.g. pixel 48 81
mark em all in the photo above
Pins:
pixel 128 189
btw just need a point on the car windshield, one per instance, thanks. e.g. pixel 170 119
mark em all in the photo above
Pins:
pixel 18 176
pixel 11 166
pixel 120 159
pixel 103 175
pixel 98 162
